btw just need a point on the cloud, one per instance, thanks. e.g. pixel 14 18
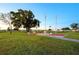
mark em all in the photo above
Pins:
pixel 3 25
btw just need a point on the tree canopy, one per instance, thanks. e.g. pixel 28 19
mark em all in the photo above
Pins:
pixel 25 18
pixel 65 28
pixel 75 26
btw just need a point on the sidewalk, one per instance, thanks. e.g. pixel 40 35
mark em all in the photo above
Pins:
pixel 62 38
pixel 59 37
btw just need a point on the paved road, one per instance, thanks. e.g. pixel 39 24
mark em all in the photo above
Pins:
pixel 60 37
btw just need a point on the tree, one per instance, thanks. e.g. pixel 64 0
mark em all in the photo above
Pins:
pixel 15 17
pixel 74 26
pixel 25 18
pixel 6 19
pixel 65 29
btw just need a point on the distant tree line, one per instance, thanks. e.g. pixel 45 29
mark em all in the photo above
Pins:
pixel 74 27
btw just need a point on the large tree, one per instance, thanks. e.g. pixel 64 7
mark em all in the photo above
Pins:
pixel 25 18
pixel 15 17
pixel 75 26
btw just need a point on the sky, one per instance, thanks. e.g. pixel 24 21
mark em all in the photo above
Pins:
pixel 58 15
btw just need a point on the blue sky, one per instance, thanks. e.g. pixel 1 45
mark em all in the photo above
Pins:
pixel 66 13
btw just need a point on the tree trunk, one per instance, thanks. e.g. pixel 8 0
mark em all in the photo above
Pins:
pixel 27 29
pixel 75 29
pixel 16 29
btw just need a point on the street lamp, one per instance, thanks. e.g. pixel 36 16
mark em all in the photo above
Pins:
pixel 45 22
pixel 45 25
pixel 56 25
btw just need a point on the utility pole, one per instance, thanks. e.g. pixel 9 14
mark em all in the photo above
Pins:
pixel 45 22
pixel 56 25
pixel 45 25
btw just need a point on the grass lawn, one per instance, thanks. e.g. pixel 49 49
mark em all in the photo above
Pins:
pixel 73 35
pixel 20 43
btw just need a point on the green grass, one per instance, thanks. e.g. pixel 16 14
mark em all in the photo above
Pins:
pixel 20 43
pixel 73 35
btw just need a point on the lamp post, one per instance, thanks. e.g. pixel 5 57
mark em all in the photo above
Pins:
pixel 45 22
pixel 56 25
pixel 45 25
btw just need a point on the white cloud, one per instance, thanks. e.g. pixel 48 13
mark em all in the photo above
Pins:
pixel 3 25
